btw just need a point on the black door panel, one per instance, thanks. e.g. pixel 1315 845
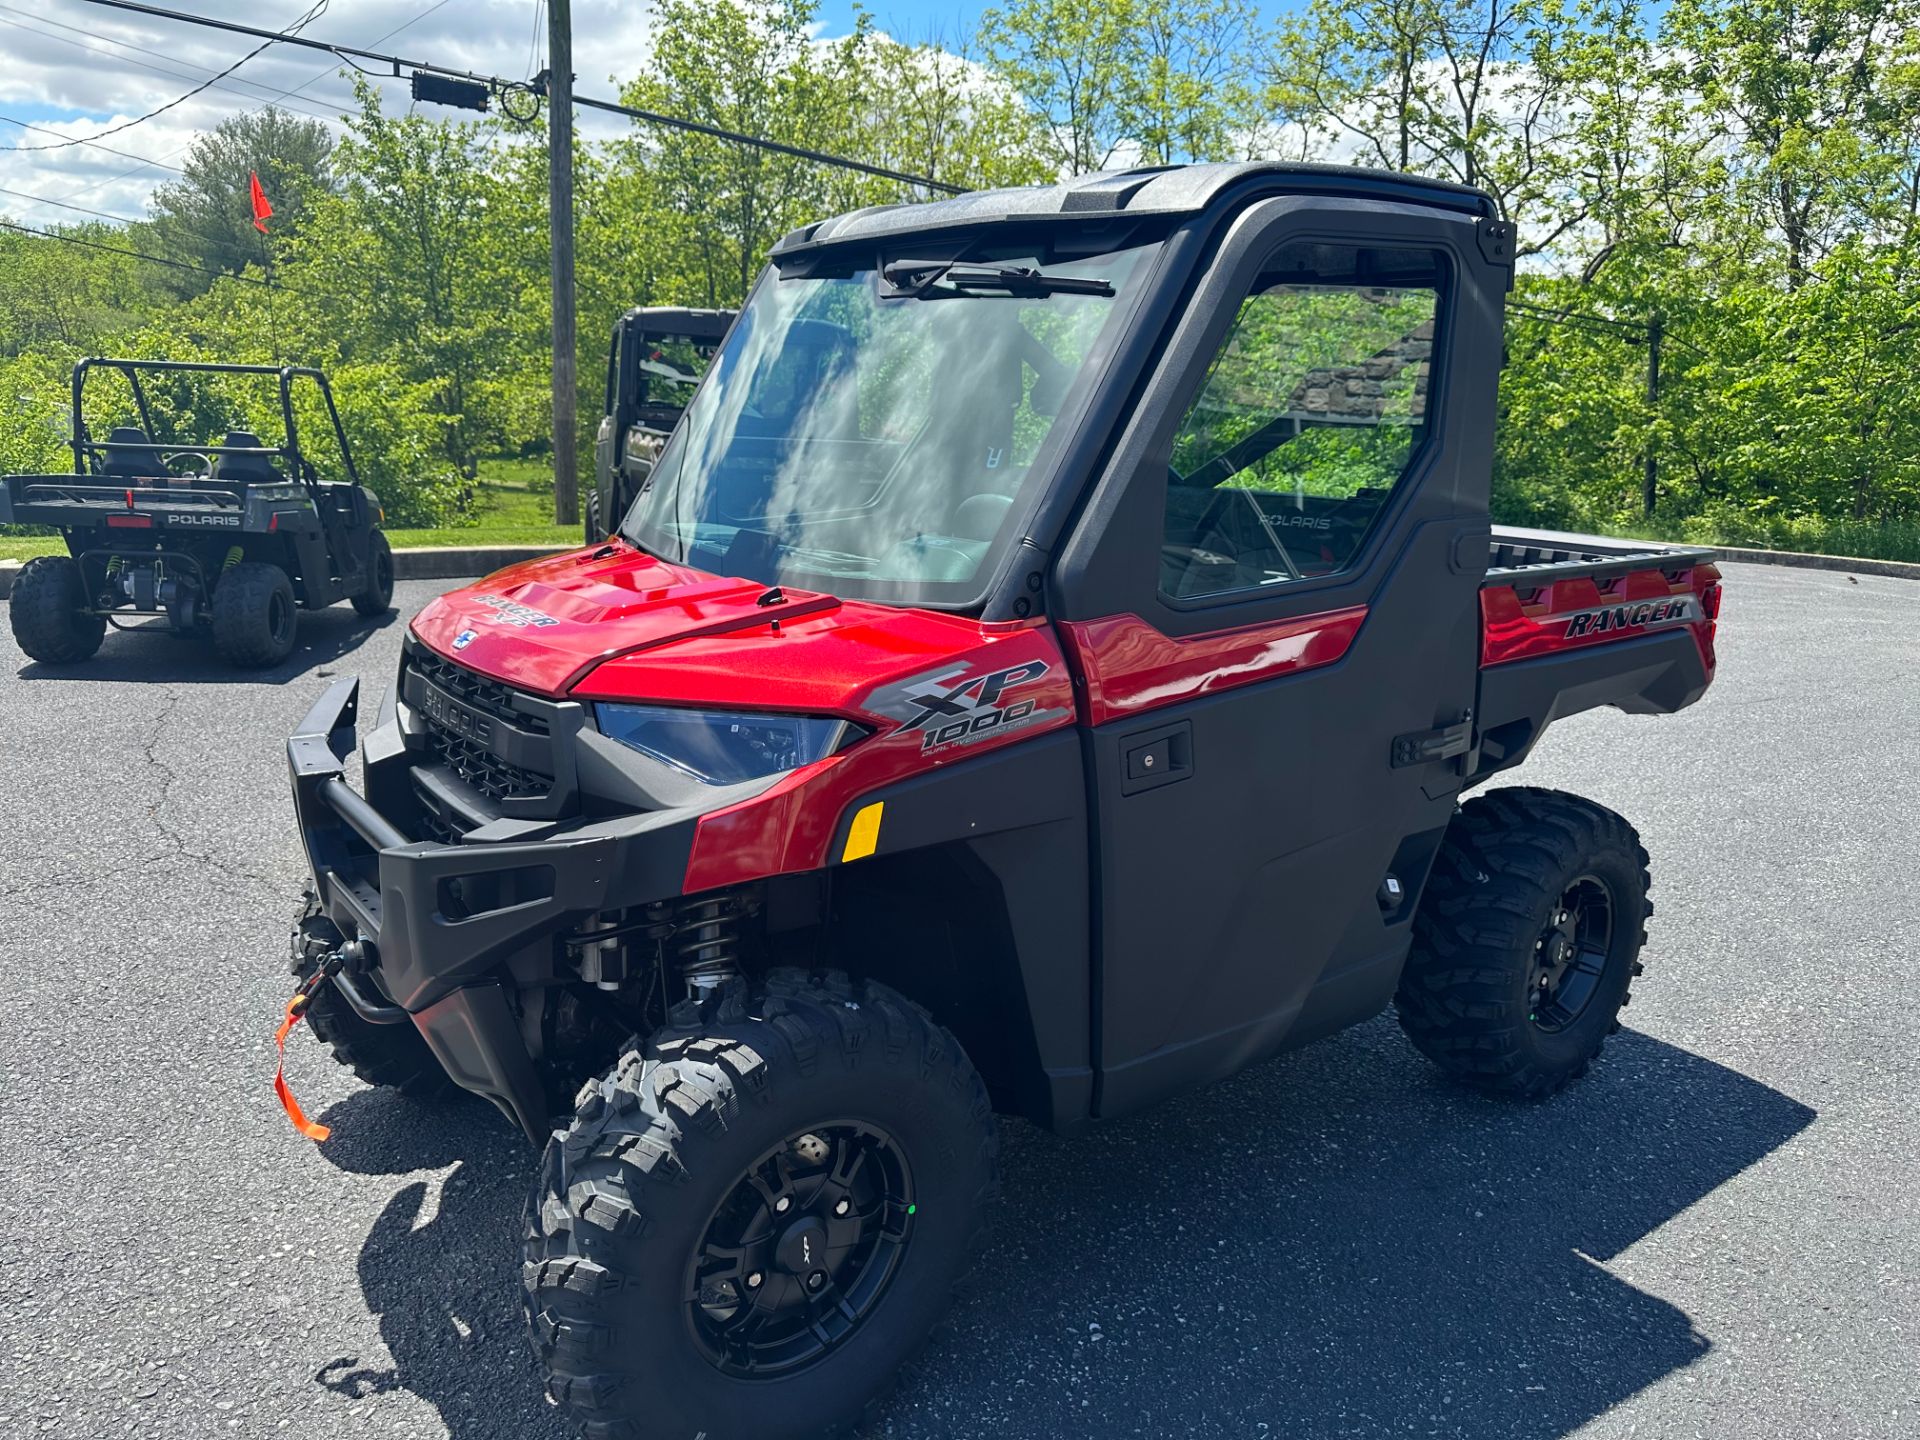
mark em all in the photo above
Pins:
pixel 1240 908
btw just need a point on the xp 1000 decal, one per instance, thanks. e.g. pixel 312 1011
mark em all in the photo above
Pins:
pixel 951 707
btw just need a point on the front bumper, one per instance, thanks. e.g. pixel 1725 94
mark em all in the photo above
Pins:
pixel 451 964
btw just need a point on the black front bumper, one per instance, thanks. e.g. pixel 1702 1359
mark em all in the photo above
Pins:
pixel 454 968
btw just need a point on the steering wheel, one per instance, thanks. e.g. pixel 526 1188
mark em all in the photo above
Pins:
pixel 1214 516
pixel 205 462
pixel 1273 536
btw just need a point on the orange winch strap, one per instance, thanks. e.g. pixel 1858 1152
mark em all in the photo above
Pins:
pixel 312 1129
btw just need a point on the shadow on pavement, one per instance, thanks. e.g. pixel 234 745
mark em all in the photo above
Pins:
pixel 1336 1244
pixel 152 652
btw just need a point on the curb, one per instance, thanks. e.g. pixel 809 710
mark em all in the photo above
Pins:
pixel 8 570
pixel 1896 569
pixel 456 562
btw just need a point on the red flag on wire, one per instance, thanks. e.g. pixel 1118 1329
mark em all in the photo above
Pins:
pixel 261 209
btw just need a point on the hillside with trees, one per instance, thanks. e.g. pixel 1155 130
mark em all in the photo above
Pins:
pixel 1734 186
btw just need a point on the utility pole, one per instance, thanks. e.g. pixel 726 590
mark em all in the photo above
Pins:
pixel 566 487
pixel 1649 493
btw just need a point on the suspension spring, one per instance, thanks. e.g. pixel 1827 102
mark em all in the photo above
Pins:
pixel 707 942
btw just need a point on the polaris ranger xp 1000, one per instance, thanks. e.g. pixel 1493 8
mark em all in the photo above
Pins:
pixel 1040 675
pixel 228 540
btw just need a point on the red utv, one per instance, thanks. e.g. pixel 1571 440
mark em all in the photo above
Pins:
pixel 1041 674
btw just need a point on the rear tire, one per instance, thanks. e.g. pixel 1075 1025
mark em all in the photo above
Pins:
pixel 48 608
pixel 1526 941
pixel 593 531
pixel 254 614
pixel 655 1310
pixel 377 598
pixel 393 1057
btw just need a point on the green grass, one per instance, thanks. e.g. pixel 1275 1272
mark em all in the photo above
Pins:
pixel 513 505
pixel 1857 539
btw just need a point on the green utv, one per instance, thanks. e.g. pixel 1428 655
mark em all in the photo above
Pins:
pixel 654 364
pixel 230 540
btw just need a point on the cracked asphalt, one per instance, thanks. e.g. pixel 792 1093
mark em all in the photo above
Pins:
pixel 1714 1235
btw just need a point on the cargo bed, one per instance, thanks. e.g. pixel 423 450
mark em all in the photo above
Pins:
pixel 1576 622
pixel 1543 555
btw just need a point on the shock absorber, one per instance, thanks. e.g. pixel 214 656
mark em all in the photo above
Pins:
pixel 707 943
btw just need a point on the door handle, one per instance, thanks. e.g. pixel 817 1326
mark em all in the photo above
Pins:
pixel 1156 757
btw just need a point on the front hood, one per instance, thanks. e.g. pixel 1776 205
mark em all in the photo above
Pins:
pixel 624 625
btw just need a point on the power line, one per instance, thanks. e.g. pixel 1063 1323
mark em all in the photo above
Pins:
pixel 62 205
pixel 163 260
pixel 272 285
pixel 497 84
pixel 381 40
pixel 273 93
pixel 312 13
pixel 1568 317
pixel 296 90
pixel 533 40
pixel 94 144
pixel 224 242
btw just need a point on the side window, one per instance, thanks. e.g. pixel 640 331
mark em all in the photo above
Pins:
pixel 1311 414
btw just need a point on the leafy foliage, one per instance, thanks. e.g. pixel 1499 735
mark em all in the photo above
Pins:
pixel 1747 171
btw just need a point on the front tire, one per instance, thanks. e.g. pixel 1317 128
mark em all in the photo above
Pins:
pixel 1526 941
pixel 48 608
pixel 751 1225
pixel 377 598
pixel 254 615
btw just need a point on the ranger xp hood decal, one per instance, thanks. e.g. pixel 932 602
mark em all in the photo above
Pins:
pixel 512 612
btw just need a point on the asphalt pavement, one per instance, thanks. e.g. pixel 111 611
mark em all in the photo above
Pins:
pixel 1716 1234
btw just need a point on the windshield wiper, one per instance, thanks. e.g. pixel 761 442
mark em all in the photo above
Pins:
pixel 933 279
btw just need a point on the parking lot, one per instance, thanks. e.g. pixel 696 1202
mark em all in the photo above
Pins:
pixel 1716 1234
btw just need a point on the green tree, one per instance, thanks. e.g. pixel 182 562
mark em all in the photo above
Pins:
pixel 756 70
pixel 1071 60
pixel 205 218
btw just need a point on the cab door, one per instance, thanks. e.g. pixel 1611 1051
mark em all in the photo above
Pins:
pixel 1271 606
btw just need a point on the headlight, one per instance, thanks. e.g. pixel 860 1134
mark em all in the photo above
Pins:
pixel 724 748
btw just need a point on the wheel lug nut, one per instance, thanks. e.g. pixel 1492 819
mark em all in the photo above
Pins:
pixel 843 1207
pixel 815 1280
pixel 753 1281
pixel 782 1205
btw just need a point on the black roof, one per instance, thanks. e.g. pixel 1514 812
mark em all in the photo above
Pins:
pixel 675 320
pixel 1166 190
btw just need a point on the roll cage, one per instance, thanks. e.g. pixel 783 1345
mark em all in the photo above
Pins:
pixel 89 454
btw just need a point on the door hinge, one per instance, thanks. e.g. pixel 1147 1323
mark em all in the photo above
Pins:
pixel 1423 747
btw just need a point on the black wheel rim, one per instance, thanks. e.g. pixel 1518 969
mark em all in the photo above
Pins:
pixel 1570 956
pixel 801 1250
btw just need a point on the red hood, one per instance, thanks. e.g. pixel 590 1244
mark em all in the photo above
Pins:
pixel 627 626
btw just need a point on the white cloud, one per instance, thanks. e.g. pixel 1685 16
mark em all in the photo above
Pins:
pixel 107 66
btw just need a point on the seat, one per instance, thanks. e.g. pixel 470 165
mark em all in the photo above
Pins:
pixel 129 454
pixel 246 469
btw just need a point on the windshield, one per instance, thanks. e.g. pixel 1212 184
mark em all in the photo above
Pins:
pixel 881 440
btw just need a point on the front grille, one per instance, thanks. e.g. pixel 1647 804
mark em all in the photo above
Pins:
pixel 473 750
pixel 474 689
pixel 483 770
